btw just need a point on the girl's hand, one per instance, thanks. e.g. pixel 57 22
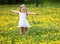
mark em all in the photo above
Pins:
pixel 36 13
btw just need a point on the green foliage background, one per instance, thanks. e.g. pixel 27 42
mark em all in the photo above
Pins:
pixel 28 1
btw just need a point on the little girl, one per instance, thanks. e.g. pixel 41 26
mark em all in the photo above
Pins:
pixel 23 22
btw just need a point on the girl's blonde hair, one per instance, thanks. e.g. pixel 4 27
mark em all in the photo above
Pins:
pixel 23 5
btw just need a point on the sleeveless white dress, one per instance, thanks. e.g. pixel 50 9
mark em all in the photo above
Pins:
pixel 23 22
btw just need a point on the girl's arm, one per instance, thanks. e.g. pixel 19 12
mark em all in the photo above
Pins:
pixel 15 11
pixel 32 13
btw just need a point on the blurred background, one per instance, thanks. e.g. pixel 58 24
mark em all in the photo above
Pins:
pixel 28 1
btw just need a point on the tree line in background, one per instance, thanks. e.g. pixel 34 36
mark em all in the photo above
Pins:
pixel 27 1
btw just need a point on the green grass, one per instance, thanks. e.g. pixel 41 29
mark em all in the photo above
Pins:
pixel 44 28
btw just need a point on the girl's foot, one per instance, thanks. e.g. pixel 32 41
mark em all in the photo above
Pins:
pixel 26 32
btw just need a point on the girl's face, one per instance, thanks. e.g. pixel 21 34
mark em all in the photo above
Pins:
pixel 23 9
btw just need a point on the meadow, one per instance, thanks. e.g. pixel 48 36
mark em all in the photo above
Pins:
pixel 45 27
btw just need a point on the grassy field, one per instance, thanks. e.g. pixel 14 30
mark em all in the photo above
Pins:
pixel 45 27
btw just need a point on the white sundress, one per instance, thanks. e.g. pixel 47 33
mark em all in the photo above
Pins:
pixel 23 22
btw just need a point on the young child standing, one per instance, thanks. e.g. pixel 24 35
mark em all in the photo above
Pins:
pixel 23 22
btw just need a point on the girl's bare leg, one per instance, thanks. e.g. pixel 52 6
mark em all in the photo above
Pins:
pixel 26 29
pixel 21 30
